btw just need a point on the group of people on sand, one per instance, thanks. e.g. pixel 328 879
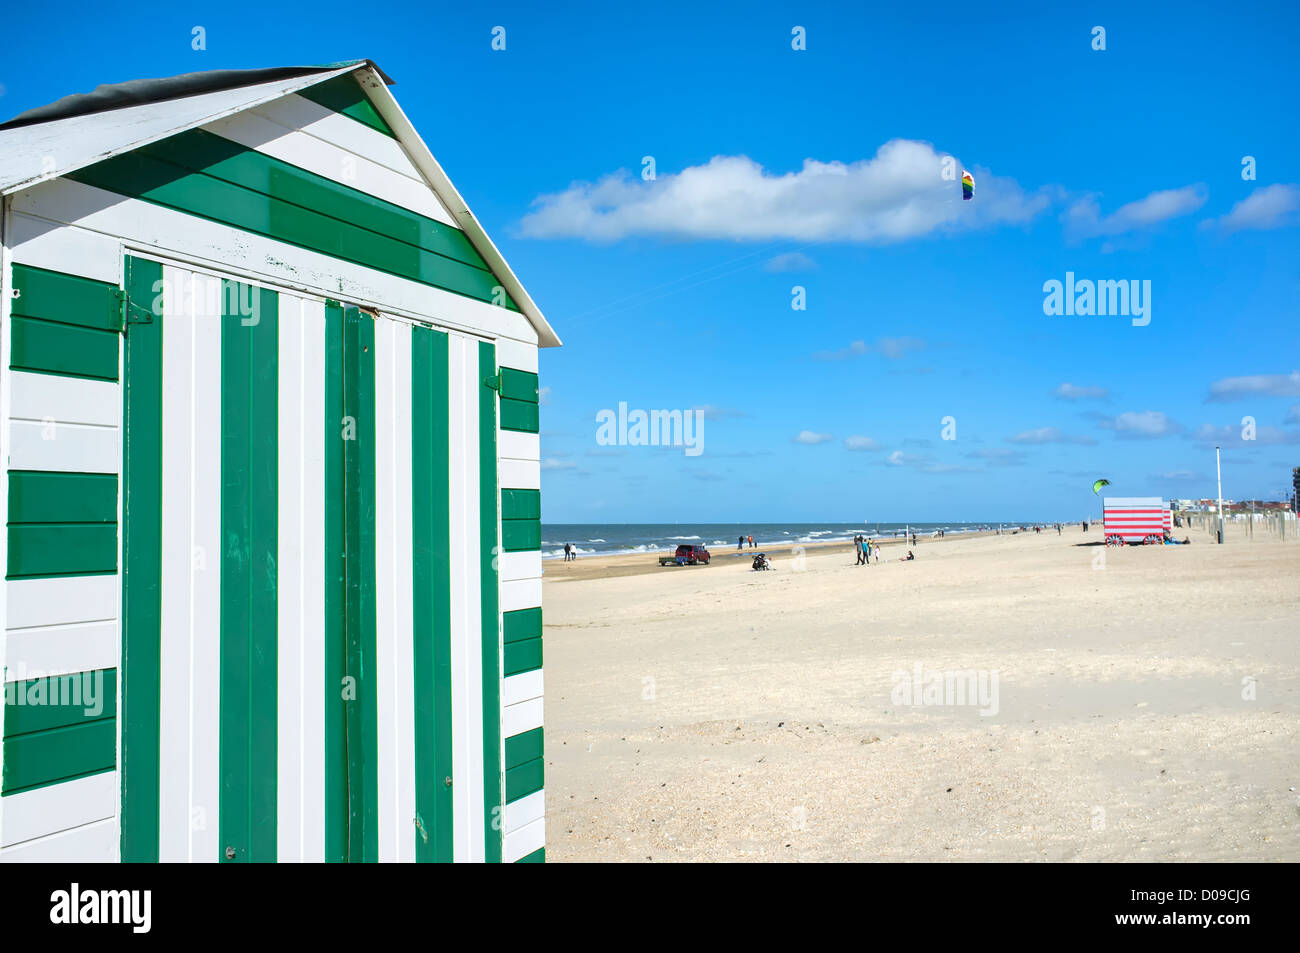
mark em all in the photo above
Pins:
pixel 862 546
pixel 570 552
pixel 864 549
pixel 741 540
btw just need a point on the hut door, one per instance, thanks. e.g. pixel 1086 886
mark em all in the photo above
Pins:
pixel 223 673
pixel 387 620
pixel 286 662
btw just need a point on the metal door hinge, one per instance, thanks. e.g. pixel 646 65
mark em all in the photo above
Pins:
pixel 132 313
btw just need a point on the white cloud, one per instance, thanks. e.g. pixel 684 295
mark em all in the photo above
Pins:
pixel 898 194
pixel 811 438
pixel 1069 391
pixel 1269 206
pixel 898 459
pixel 790 261
pixel 551 463
pixel 1084 219
pixel 860 443
pixel 892 348
pixel 544 396
pixel 1180 476
pixel 1144 424
pixel 1256 385
pixel 1047 435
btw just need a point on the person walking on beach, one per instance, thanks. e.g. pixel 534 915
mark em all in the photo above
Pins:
pixel 866 551
pixel 566 552
pixel 857 550
pixel 740 543
pixel 751 540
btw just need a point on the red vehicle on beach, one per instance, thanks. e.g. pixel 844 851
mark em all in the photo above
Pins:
pixel 687 556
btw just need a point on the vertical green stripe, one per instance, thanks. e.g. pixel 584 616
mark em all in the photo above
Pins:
pixel 431 570
pixel 336 748
pixel 493 794
pixel 249 524
pixel 359 487
pixel 141 563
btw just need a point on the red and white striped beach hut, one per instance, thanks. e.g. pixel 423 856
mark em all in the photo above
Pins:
pixel 1135 519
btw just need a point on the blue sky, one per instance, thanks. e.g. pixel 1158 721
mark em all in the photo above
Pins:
pixel 676 293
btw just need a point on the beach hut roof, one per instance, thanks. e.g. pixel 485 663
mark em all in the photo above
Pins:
pixel 82 129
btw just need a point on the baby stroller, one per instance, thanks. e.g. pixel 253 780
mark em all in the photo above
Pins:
pixel 761 561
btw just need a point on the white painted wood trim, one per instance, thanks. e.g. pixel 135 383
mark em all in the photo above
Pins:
pixel 520 474
pixel 516 566
pixel 59 807
pixel 522 687
pixel 42 243
pixel 529 808
pixel 61 600
pixel 521 716
pixel 89 844
pixel 60 650
pixel 66 447
pixel 521 594
pixel 514 445
pixel 524 841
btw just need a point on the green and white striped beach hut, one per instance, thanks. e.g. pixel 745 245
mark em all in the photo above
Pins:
pixel 269 401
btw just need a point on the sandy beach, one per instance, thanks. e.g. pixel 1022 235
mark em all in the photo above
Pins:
pixel 1141 703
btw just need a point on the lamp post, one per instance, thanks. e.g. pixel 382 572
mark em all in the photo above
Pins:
pixel 1218 467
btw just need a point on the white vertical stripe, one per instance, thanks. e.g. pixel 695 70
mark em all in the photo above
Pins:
pixel 189 660
pixel 466 649
pixel 403 590
pixel 174 598
pixel 290 634
pixel 394 638
pixel 300 795
pixel 385 597
pixel 311 492
pixel 205 608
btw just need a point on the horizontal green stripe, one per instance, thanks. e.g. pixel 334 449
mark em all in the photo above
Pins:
pixel 521 504
pixel 39 704
pixel 343 94
pixel 220 158
pixel 518 415
pixel 61 549
pixel 63 349
pixel 69 299
pixel 520 535
pixel 525 746
pixel 60 754
pixel 523 780
pixel 524 656
pixel 145 174
pixel 521 624
pixel 536 857
pixel 40 497
pixel 519 385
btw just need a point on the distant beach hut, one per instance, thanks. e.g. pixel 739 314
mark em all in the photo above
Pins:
pixel 1135 519
pixel 270 416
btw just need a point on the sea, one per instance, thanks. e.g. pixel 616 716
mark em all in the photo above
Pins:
pixel 600 539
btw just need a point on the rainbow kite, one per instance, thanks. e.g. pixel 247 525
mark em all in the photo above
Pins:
pixel 967 186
